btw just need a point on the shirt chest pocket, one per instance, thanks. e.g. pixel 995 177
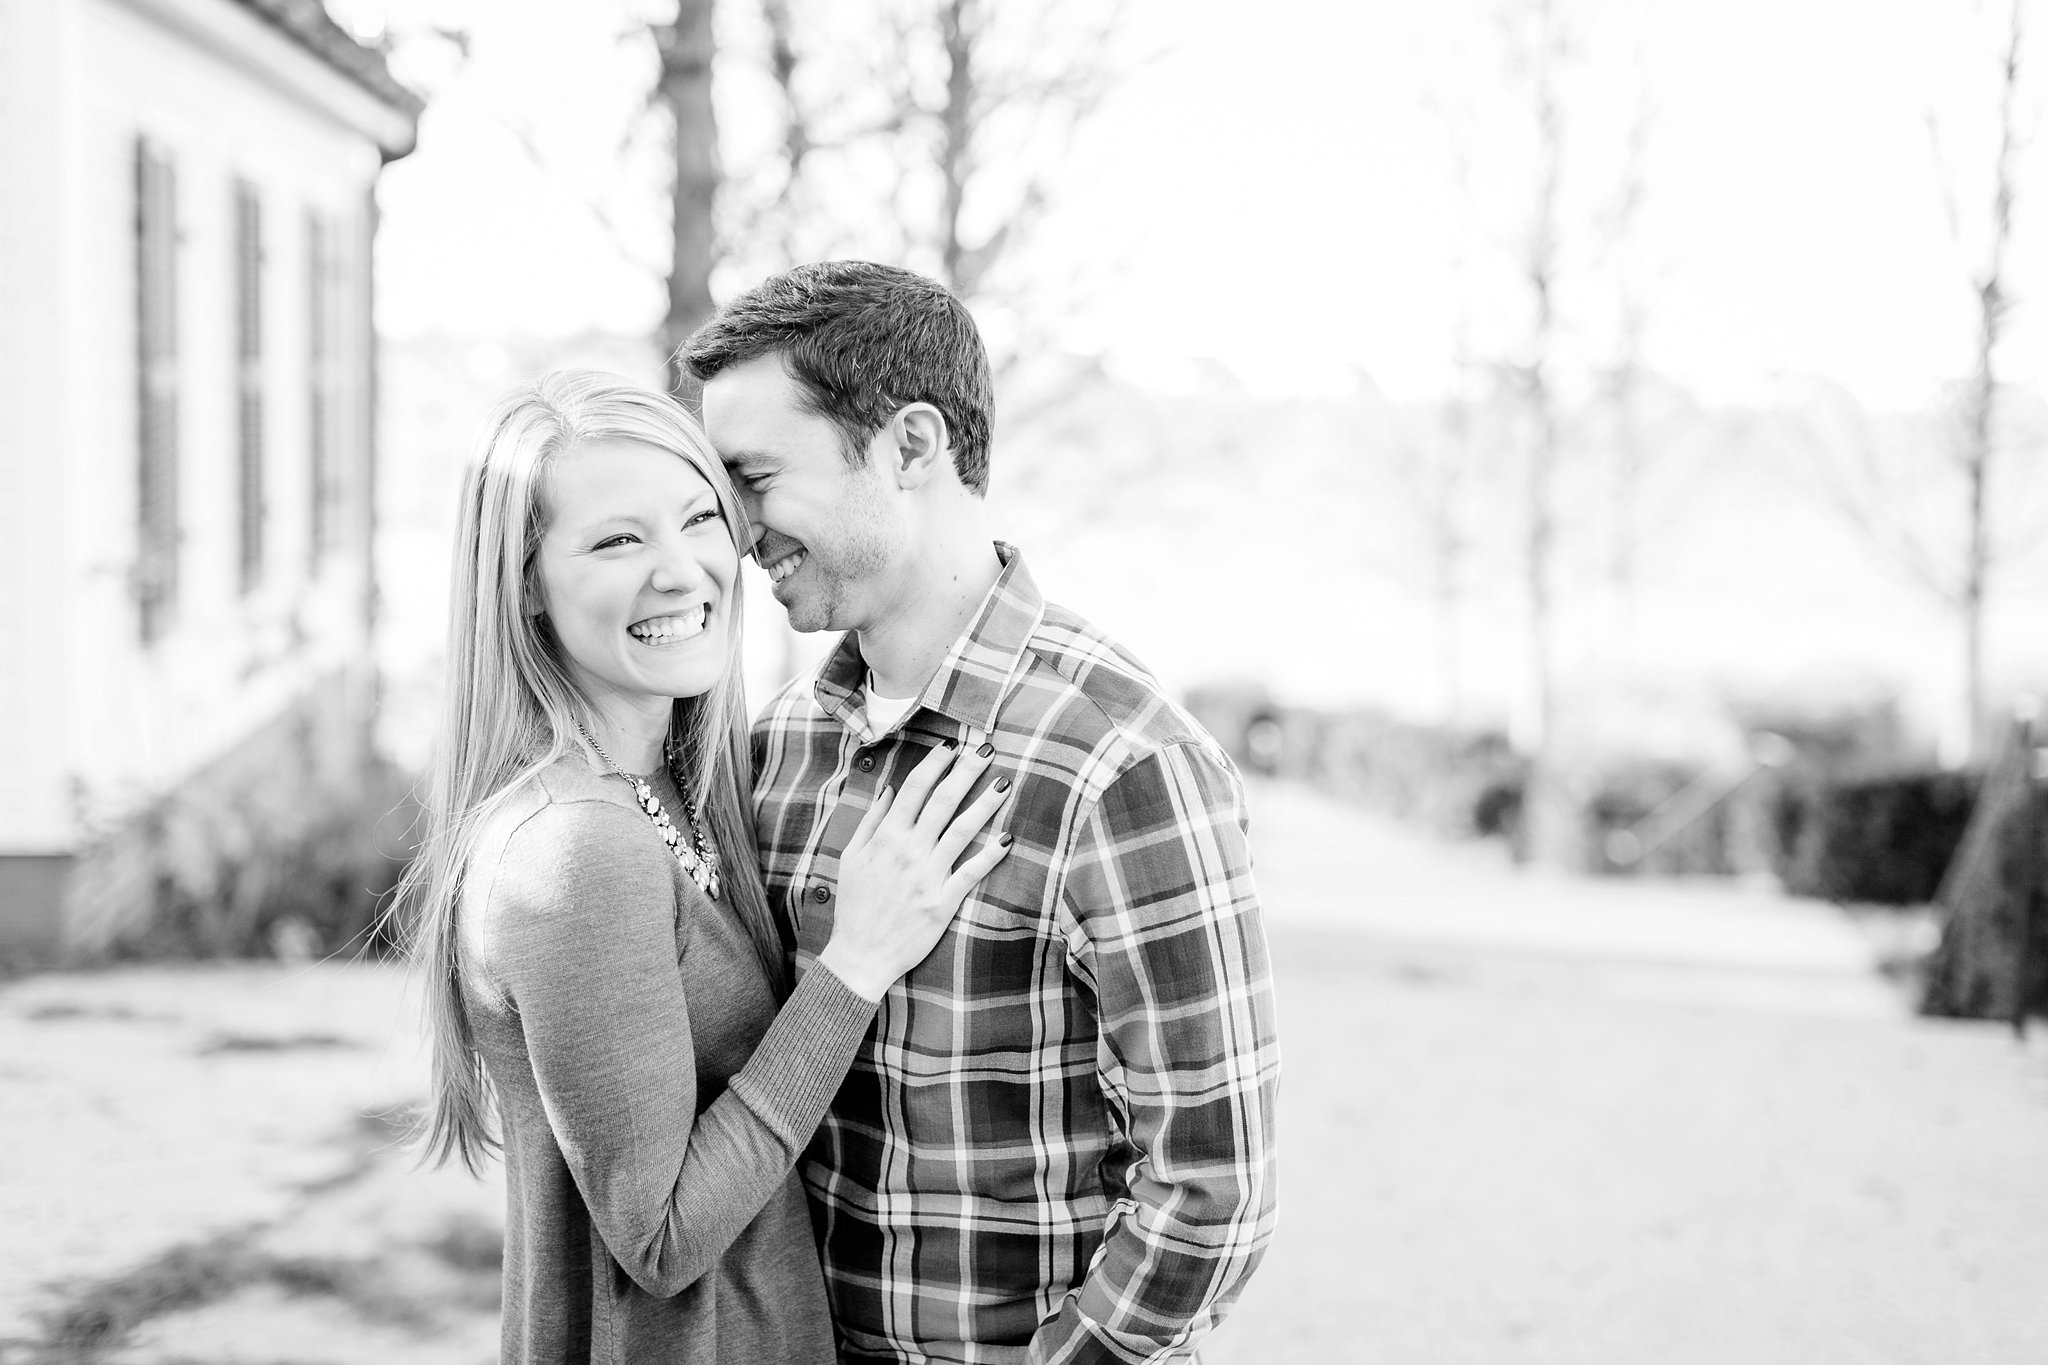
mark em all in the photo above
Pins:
pixel 1012 897
pixel 1000 940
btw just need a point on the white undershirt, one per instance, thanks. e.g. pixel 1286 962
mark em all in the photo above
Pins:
pixel 884 712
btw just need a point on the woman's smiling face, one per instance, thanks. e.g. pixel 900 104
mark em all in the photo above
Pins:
pixel 636 572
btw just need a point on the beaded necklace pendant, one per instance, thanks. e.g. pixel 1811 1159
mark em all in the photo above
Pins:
pixel 696 855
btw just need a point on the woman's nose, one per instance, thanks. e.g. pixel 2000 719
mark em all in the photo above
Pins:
pixel 677 570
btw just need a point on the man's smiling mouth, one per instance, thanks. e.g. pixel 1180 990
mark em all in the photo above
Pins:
pixel 669 630
pixel 785 566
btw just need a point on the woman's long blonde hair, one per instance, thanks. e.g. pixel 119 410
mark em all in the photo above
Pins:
pixel 512 709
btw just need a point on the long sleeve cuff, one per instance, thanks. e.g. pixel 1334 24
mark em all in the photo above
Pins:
pixel 801 1062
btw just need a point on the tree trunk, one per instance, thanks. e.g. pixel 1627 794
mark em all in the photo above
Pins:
pixel 1539 492
pixel 1978 451
pixel 957 125
pixel 1545 830
pixel 1980 434
pixel 686 49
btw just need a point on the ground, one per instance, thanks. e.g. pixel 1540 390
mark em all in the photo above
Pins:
pixel 1525 1118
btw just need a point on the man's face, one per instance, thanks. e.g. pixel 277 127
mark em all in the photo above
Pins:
pixel 825 531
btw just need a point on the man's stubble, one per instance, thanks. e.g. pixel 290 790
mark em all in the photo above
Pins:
pixel 866 540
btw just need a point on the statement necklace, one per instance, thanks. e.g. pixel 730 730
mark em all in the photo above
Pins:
pixel 697 856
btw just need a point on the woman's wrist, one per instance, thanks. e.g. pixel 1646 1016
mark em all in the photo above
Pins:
pixel 863 979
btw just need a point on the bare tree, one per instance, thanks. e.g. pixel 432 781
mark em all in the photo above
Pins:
pixel 1441 472
pixel 1430 457
pixel 932 133
pixel 981 90
pixel 678 108
pixel 1938 521
pixel 1540 42
pixel 1977 450
pixel 686 46
pixel 798 134
pixel 1629 444
pixel 1877 481
pixel 1442 483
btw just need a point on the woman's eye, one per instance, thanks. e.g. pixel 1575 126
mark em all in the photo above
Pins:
pixel 709 514
pixel 611 542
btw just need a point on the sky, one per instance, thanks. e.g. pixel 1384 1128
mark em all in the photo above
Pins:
pixel 1276 195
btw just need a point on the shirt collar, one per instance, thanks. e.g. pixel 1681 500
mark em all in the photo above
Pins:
pixel 974 677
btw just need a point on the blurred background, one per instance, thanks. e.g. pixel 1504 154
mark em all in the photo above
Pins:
pixel 1585 460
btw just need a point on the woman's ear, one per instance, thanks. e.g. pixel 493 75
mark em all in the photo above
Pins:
pixel 922 446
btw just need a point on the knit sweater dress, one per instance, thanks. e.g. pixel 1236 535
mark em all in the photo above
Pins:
pixel 653 1099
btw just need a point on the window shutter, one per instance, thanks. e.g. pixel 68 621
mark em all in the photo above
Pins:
pixel 321 412
pixel 249 379
pixel 156 255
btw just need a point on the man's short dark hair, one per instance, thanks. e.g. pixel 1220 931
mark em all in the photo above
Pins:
pixel 862 341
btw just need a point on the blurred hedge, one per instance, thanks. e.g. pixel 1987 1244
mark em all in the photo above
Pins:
pixel 1623 794
pixel 1457 781
pixel 240 877
pixel 1833 825
pixel 1883 839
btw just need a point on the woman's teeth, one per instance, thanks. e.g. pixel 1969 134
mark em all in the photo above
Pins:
pixel 667 630
pixel 784 567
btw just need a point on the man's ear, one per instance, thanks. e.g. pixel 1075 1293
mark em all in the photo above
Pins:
pixel 920 445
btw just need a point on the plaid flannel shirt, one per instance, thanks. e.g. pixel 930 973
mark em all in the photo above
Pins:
pixel 1056 1143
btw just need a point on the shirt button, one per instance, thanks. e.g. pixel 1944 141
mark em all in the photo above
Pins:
pixel 867 763
pixel 821 894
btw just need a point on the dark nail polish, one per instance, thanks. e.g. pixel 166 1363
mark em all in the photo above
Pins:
pixel 1002 784
pixel 948 745
pixel 986 750
pixel 1007 840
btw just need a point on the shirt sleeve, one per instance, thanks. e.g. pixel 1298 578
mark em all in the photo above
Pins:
pixel 1167 930
pixel 582 937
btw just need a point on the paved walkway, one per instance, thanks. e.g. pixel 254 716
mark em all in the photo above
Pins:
pixel 1531 1119
pixel 1526 1119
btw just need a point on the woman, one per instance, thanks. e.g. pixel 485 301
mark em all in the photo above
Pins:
pixel 605 975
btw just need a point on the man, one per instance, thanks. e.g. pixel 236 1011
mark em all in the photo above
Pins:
pixel 1056 1145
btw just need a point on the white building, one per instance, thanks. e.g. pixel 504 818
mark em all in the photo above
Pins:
pixel 186 390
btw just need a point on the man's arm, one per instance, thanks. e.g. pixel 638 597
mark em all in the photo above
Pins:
pixel 1165 925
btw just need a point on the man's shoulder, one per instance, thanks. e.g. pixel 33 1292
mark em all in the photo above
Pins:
pixel 1098 696
pixel 793 703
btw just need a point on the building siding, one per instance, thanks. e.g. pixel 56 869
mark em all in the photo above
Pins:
pixel 98 725
pixel 35 42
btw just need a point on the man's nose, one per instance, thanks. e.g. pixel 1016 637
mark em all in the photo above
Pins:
pixel 750 503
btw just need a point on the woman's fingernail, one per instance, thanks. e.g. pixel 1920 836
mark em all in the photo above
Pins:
pixel 986 750
pixel 1002 784
pixel 1007 839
